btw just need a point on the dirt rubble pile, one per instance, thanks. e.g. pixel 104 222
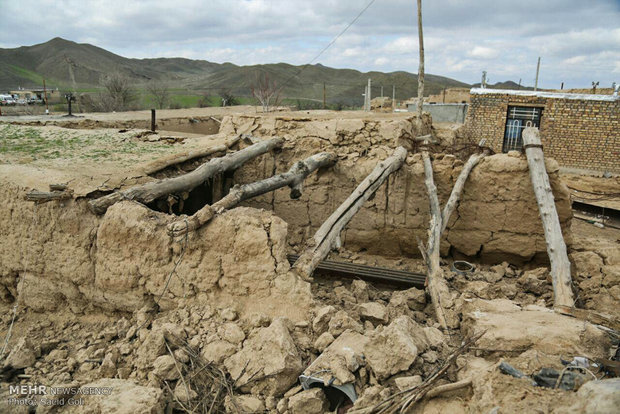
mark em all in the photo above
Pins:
pixel 497 218
pixel 217 318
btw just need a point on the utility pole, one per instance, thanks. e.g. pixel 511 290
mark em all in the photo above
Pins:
pixel 562 86
pixel 537 70
pixel 421 67
pixel 47 109
pixel 382 91
pixel 393 97
pixel 323 95
pixel 368 94
pixel 519 83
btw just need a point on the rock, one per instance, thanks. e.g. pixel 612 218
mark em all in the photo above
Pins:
pixel 108 367
pixel 164 367
pixel 323 341
pixel 587 263
pixel 341 359
pixel 22 355
pixel 124 397
pixel 404 383
pixel 312 401
pixel 228 314
pixel 56 355
pixel 341 322
pixel 395 348
pixel 184 393
pixel 434 337
pixel 598 397
pixel 321 320
pixel 369 398
pixel 244 404
pixel 414 299
pixel 511 328
pixel 257 320
pixel 269 358
pixel 374 312
pixel 535 281
pixel 217 351
pixel 359 288
pixel 231 332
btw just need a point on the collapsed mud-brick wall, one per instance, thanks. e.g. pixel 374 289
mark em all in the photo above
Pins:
pixel 497 218
pixel 59 254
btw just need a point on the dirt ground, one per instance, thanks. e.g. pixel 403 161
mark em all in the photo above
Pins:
pixel 127 319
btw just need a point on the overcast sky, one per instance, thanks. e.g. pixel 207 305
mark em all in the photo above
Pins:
pixel 578 40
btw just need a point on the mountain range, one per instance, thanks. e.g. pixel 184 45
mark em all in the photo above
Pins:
pixel 80 66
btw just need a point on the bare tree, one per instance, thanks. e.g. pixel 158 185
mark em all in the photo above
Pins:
pixel 118 92
pixel 421 67
pixel 160 93
pixel 266 91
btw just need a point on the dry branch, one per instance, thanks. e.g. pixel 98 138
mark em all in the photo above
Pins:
pixel 293 178
pixel 327 236
pixel 457 190
pixel 556 248
pixel 146 193
pixel 441 389
pixel 437 287
pixel 181 157
pixel 403 400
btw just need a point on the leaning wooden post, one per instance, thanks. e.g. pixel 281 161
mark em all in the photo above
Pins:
pixel 437 287
pixel 327 236
pixel 457 190
pixel 293 178
pixel 556 248
pixel 146 193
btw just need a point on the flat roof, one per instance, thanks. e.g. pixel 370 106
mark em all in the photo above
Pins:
pixel 543 94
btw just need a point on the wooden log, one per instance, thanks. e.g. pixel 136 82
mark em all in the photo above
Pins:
pixel 40 197
pixel 293 178
pixel 437 287
pixel 181 157
pixel 327 236
pixel 441 389
pixel 590 316
pixel 146 193
pixel 556 248
pixel 455 195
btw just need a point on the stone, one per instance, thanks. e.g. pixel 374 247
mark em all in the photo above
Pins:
pixel 395 348
pixel 56 355
pixel 341 359
pixel 22 355
pixel 374 312
pixel 244 404
pixel 184 393
pixel 404 383
pixel 164 367
pixel 323 341
pixel 125 397
pixel 312 401
pixel 270 358
pixel 510 328
pixel 108 366
pixel 359 288
pixel 217 351
pixel 321 320
pixel 231 332
pixel 598 397
pixel 535 281
pixel 228 314
pixel 587 263
pixel 414 299
pixel 341 322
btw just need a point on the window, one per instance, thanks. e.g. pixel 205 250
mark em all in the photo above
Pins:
pixel 519 117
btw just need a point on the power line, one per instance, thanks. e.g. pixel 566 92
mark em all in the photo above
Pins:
pixel 330 44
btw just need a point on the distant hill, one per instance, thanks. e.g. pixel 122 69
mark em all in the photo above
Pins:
pixel 69 65
pixel 506 85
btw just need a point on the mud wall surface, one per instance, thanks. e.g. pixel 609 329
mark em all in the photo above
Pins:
pixel 497 218
pixel 59 254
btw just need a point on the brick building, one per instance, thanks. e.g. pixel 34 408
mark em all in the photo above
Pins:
pixel 578 130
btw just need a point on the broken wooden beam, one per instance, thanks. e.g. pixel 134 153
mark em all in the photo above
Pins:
pixel 327 236
pixel 437 286
pixel 457 190
pixel 556 247
pixel 146 193
pixel 40 197
pixel 293 178
pixel 165 162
